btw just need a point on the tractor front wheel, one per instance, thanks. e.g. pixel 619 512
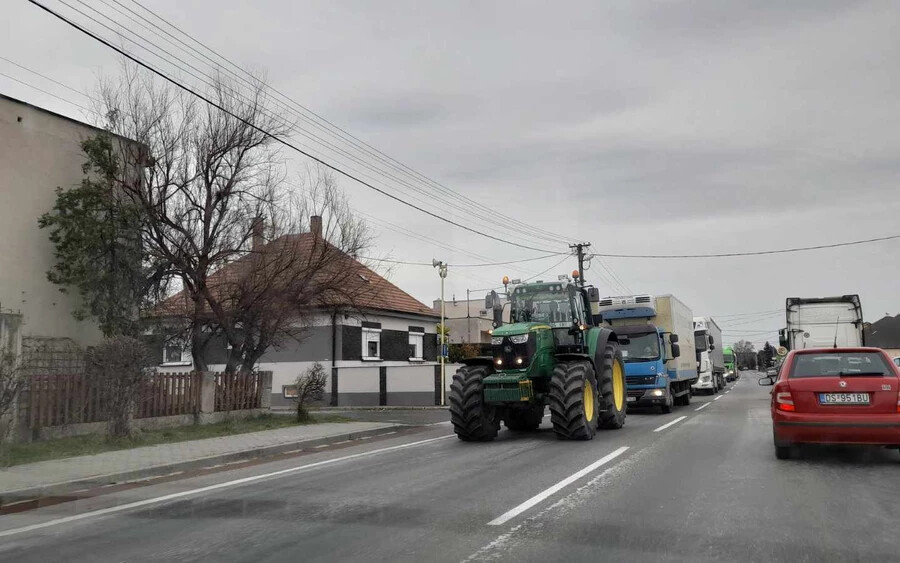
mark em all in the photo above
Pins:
pixel 611 379
pixel 473 420
pixel 524 420
pixel 573 401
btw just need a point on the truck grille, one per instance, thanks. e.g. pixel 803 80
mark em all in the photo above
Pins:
pixel 636 393
pixel 641 380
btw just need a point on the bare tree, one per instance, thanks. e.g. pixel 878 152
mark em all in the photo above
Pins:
pixel 273 294
pixel 203 176
pixel 745 353
pixel 310 386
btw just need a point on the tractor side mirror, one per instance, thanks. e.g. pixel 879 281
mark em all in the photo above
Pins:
pixel 676 350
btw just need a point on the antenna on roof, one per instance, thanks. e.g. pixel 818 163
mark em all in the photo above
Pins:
pixel 836 327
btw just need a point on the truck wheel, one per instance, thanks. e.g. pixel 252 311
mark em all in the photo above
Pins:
pixel 686 398
pixel 613 391
pixel 473 420
pixel 573 401
pixel 524 420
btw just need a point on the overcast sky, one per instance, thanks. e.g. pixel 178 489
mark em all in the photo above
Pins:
pixel 683 127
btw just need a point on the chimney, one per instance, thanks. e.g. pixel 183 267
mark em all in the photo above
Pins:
pixel 315 225
pixel 257 232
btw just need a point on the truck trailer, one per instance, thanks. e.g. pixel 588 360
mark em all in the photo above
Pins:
pixel 815 322
pixel 653 331
pixel 710 360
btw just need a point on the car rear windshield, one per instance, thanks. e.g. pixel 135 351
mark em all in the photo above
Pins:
pixel 839 364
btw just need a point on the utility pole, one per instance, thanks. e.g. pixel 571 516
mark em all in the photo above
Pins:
pixel 579 249
pixel 442 271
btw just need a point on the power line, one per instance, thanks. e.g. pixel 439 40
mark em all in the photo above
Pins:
pixel 355 141
pixel 292 146
pixel 472 212
pixel 757 253
pixel 60 98
pixel 36 73
pixel 548 269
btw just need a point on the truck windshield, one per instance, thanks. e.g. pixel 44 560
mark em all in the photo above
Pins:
pixel 700 341
pixel 547 307
pixel 729 359
pixel 641 348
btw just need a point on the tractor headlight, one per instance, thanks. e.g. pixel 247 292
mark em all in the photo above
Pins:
pixel 496 340
pixel 519 338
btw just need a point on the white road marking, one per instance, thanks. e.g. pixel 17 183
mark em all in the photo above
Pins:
pixel 719 397
pixel 227 484
pixel 668 424
pixel 703 406
pixel 509 515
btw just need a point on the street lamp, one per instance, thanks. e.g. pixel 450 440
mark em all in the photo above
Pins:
pixel 442 271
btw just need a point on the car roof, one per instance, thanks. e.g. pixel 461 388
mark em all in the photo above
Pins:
pixel 838 350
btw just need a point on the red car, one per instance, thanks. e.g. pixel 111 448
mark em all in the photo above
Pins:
pixel 835 396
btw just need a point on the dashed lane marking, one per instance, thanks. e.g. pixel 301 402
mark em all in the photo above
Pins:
pixel 673 423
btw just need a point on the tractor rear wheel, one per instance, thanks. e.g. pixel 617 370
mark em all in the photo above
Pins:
pixel 473 420
pixel 524 420
pixel 573 401
pixel 611 380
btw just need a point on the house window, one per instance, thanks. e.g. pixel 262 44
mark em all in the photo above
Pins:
pixel 176 352
pixel 416 343
pixel 371 343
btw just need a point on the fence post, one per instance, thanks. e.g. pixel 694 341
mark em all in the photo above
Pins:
pixel 265 384
pixel 207 394
pixel 437 384
pixel 382 385
pixel 334 386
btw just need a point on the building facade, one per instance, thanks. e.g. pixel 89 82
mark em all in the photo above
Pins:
pixel 39 151
pixel 468 320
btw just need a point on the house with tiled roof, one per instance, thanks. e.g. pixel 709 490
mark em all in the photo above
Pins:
pixel 885 334
pixel 380 346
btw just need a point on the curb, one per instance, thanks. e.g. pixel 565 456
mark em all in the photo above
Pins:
pixel 68 487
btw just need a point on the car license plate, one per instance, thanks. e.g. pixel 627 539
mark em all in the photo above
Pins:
pixel 632 399
pixel 844 398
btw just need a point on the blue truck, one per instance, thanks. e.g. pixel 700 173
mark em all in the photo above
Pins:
pixel 658 328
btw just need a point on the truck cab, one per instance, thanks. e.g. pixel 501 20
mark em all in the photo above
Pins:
pixel 644 324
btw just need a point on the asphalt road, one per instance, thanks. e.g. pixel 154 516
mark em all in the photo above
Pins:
pixel 707 487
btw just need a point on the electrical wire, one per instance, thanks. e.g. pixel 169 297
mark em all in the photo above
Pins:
pixel 60 98
pixel 292 146
pixel 323 123
pixel 756 253
pixel 547 270
pixel 472 213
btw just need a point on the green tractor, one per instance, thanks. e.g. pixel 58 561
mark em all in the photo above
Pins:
pixel 554 352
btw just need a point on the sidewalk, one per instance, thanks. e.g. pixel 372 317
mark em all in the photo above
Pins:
pixel 70 474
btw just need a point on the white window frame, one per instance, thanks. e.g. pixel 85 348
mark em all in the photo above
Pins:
pixel 371 335
pixel 185 359
pixel 418 340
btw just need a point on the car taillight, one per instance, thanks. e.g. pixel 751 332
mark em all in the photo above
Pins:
pixel 784 401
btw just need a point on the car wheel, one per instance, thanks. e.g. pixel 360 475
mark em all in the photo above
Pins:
pixel 783 452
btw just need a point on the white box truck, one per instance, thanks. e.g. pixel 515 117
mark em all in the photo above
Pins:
pixel 817 322
pixel 659 358
pixel 710 359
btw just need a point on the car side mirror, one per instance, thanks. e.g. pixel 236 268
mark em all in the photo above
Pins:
pixel 676 350
pixel 766 381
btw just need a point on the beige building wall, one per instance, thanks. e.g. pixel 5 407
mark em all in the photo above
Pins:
pixel 39 150
pixel 469 321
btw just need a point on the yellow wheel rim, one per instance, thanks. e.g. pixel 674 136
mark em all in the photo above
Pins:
pixel 618 381
pixel 588 401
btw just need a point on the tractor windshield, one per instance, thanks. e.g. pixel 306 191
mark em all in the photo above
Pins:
pixel 551 307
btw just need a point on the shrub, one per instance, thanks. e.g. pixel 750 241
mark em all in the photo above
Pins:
pixel 310 387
